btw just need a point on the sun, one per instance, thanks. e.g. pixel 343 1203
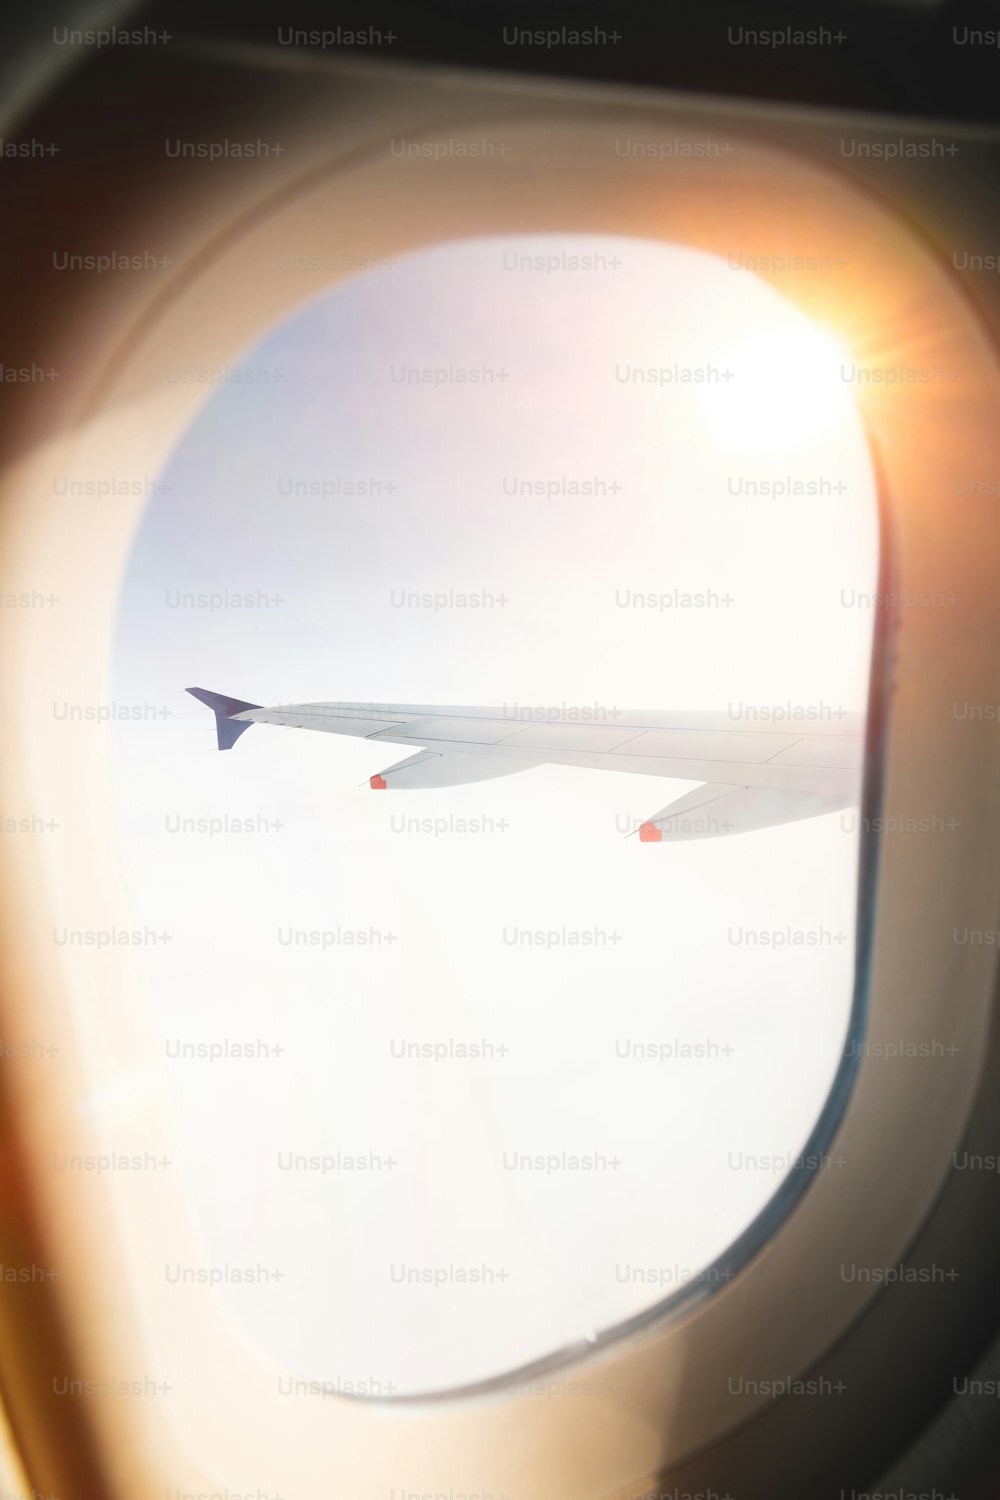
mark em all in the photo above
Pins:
pixel 779 389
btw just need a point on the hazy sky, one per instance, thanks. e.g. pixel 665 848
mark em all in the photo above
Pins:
pixel 674 514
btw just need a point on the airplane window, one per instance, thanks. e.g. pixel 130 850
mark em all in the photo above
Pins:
pixel 471 1068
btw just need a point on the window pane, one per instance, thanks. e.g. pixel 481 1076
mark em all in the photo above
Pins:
pixel 582 480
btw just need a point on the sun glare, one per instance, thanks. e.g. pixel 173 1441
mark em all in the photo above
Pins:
pixel 779 389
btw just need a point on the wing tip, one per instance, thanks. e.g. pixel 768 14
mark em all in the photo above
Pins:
pixel 228 731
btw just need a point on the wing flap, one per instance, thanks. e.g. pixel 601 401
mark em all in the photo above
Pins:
pixel 454 768
pixel 714 810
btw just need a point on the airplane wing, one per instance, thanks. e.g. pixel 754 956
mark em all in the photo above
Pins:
pixel 755 773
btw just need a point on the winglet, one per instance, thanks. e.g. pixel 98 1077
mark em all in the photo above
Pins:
pixel 227 727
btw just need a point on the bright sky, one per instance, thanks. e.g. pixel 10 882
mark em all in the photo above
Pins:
pixel 556 1253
